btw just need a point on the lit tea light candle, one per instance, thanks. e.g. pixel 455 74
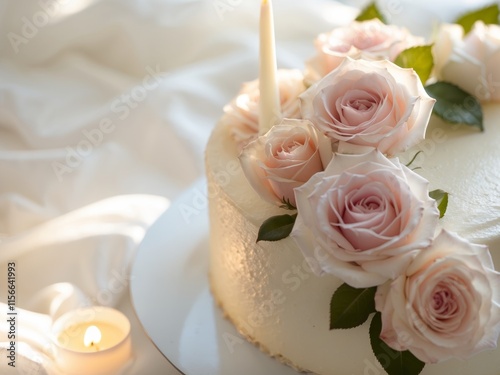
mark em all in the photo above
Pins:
pixel 269 102
pixel 93 341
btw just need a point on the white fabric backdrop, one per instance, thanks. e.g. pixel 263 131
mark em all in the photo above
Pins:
pixel 105 109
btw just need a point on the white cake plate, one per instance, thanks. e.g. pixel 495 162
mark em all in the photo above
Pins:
pixel 171 296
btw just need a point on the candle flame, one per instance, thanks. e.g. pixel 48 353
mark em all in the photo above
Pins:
pixel 92 336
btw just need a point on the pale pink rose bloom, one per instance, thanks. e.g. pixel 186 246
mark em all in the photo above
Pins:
pixel 364 218
pixel 446 304
pixel 471 62
pixel 242 113
pixel 369 40
pixel 375 104
pixel 285 158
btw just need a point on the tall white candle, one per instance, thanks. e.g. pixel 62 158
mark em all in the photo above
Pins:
pixel 269 103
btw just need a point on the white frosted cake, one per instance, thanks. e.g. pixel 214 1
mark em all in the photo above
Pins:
pixel 278 295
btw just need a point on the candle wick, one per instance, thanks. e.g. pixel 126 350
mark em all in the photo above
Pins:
pixel 94 345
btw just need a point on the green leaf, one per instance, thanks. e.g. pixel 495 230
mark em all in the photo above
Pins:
pixel 370 12
pixel 276 228
pixel 351 307
pixel 441 198
pixel 455 105
pixel 489 15
pixel 393 361
pixel 419 58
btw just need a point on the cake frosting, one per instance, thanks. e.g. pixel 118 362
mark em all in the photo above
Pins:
pixel 268 289
pixel 274 299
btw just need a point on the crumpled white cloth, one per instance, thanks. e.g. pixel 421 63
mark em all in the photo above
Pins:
pixel 76 260
pixel 105 110
pixel 34 351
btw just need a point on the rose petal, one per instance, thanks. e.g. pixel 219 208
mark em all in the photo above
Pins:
pixel 284 158
pixel 242 114
pixel 362 212
pixel 471 62
pixel 375 104
pixel 370 40
pixel 447 302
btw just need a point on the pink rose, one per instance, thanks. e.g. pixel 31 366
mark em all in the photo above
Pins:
pixel 376 104
pixel 242 114
pixel 369 40
pixel 364 218
pixel 284 158
pixel 446 304
pixel 472 62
